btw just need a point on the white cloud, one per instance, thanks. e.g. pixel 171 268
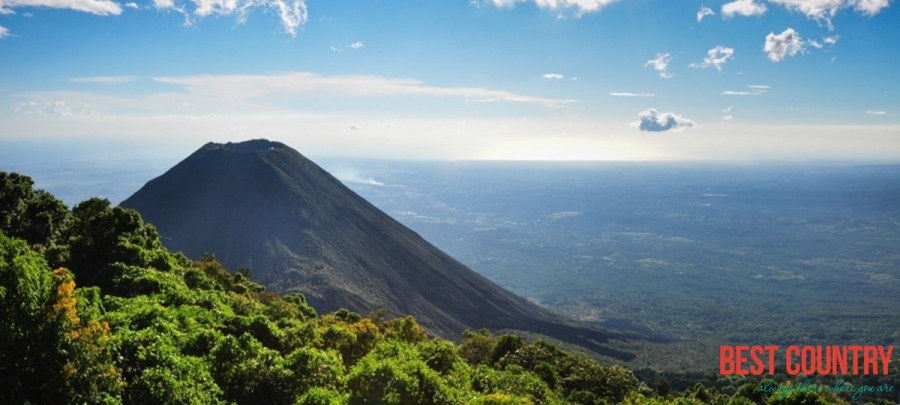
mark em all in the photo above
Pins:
pixel 632 94
pixel 356 45
pixel 553 76
pixel 57 107
pixel 788 43
pixel 746 8
pixel 581 7
pixel 831 40
pixel 4 32
pixel 655 121
pixel 822 11
pixel 756 90
pixel 291 13
pixel 103 79
pixel 814 44
pixel 305 83
pixel 728 118
pixel 878 112
pixel 163 4
pixel 727 109
pixel 660 64
pixel 716 57
pixel 99 7
pixel 703 12
pixel 132 5
pixel 871 7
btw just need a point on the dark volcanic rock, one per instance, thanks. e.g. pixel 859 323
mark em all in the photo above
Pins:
pixel 262 205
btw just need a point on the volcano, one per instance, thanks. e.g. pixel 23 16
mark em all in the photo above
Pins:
pixel 262 205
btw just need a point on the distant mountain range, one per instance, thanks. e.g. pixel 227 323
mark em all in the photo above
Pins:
pixel 264 206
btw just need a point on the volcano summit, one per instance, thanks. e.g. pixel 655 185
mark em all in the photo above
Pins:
pixel 262 205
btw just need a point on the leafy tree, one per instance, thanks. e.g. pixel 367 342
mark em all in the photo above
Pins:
pixel 250 373
pixel 393 373
pixel 405 329
pixel 27 336
pixel 33 215
pixel 103 238
pixel 477 347
pixel 505 344
pixel 610 383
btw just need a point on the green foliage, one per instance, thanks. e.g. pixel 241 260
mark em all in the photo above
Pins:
pixel 29 337
pixel 513 380
pixel 477 347
pixel 500 399
pixel 505 344
pixel 33 215
pixel 248 372
pixel 321 396
pixel 405 329
pixel 609 383
pixel 394 373
pixel 798 398
pixel 103 239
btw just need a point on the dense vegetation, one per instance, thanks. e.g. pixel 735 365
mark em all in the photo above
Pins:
pixel 93 309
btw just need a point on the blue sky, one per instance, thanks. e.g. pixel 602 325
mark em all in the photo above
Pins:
pixel 488 79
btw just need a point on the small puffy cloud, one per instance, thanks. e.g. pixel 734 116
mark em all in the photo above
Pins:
pixel 704 12
pixel 356 45
pixel 871 7
pixel 814 44
pixel 788 43
pixel 103 79
pixel 878 112
pixel 99 7
pixel 660 64
pixel 632 94
pixel 3 32
pixel 132 5
pixel 746 8
pixel 716 57
pixel 740 93
pixel 759 88
pixel 580 7
pixel 727 118
pixel 831 40
pixel 822 11
pixel 554 76
pixel 727 109
pixel 655 121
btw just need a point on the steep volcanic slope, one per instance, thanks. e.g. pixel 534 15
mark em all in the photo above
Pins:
pixel 262 205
